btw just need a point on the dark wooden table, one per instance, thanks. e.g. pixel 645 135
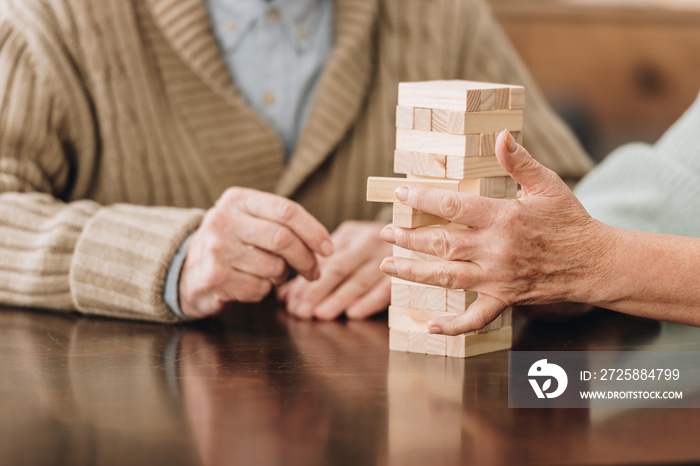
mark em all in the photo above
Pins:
pixel 254 388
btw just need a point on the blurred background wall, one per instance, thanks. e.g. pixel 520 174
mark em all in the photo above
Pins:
pixel 616 70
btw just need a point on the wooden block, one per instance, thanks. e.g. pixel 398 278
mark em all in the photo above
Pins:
pixel 401 252
pixel 410 318
pixel 418 297
pixel 425 164
pixel 422 119
pixel 518 136
pixel 398 339
pixel 437 143
pixel 464 346
pixel 404 117
pixel 381 189
pixel 400 295
pixel 400 281
pixel 499 187
pixel 436 299
pixel 421 256
pixel 436 344
pixel 408 217
pixel 459 300
pixel 495 187
pixel 516 98
pixel 465 168
pixel 402 162
pixel 453 122
pixel 487 144
pixel 511 188
pixel 417 341
pixel 507 316
pixel 466 96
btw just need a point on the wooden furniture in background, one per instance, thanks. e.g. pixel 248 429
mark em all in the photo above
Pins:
pixel 618 70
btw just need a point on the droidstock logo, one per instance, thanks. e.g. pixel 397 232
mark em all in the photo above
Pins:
pixel 542 370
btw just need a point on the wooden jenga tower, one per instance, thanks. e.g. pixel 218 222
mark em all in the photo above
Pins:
pixel 446 138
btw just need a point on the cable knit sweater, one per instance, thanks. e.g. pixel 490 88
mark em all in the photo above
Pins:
pixel 119 123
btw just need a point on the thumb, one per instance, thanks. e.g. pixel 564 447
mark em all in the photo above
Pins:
pixel 479 314
pixel 528 172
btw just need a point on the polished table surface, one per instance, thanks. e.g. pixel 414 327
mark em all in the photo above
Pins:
pixel 254 387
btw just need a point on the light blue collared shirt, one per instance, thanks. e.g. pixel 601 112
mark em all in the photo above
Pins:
pixel 275 51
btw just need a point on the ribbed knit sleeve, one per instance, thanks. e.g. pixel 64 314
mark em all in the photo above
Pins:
pixel 491 57
pixel 106 260
pixel 650 188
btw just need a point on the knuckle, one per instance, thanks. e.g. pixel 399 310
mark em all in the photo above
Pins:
pixel 282 239
pixel 286 210
pixel 264 288
pixel 444 276
pixel 441 244
pixel 278 268
pixel 449 205
pixel 232 194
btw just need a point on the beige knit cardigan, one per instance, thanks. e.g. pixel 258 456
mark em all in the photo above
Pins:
pixel 119 123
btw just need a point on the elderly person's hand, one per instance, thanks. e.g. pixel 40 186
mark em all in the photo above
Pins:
pixel 351 281
pixel 540 248
pixel 244 247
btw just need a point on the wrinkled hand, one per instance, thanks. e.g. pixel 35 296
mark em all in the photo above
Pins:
pixel 350 282
pixel 244 247
pixel 541 248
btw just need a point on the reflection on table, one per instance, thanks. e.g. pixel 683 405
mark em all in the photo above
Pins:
pixel 256 387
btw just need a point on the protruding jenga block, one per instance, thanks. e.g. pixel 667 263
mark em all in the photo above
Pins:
pixel 453 122
pixel 460 300
pixel 404 117
pixel 473 344
pixel 398 339
pixel 400 295
pixel 408 217
pixel 496 187
pixel 466 96
pixel 465 168
pixel 381 189
pixel 422 118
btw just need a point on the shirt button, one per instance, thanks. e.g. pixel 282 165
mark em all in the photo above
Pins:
pixel 269 98
pixel 273 15
pixel 231 26
pixel 302 33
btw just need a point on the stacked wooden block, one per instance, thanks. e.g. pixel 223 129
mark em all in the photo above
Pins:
pixel 446 138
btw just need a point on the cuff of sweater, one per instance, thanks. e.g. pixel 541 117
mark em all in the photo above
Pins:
pixel 172 280
pixel 122 258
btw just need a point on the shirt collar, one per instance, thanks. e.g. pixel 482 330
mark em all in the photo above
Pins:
pixel 234 19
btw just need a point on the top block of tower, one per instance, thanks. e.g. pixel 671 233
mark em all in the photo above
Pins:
pixel 464 96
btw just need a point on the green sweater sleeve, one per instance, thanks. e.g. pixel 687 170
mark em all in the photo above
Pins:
pixel 650 188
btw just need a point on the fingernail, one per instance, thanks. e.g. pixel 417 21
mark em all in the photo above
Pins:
pixel 402 193
pixel 435 329
pixel 510 142
pixel 389 266
pixel 388 234
pixel 327 248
